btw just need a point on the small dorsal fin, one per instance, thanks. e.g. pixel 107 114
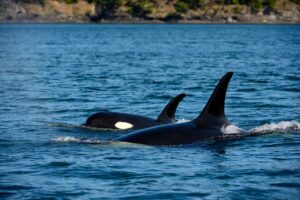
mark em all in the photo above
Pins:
pixel 168 113
pixel 215 105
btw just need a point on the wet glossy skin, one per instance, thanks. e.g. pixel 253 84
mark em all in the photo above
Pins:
pixel 210 123
pixel 110 119
pixel 115 120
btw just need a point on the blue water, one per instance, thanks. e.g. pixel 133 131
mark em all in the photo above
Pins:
pixel 54 76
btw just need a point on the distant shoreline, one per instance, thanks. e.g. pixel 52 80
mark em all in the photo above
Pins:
pixel 147 23
pixel 14 11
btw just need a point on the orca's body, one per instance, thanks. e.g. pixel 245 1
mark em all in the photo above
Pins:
pixel 209 124
pixel 115 120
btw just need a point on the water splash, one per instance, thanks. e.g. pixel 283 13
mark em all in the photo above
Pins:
pixel 66 125
pixel 69 139
pixel 284 126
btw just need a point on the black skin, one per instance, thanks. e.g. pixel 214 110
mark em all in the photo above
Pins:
pixel 170 134
pixel 207 125
pixel 109 119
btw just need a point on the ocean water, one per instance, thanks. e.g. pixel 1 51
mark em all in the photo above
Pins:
pixel 54 76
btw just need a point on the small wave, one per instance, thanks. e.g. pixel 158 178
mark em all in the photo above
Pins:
pixel 59 163
pixel 16 187
pixel 283 126
pixel 286 185
pixel 65 139
pixel 66 125
pixel 69 139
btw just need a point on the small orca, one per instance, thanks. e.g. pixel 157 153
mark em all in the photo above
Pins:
pixel 115 120
pixel 211 123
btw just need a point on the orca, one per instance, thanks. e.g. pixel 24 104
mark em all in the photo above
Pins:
pixel 116 120
pixel 211 123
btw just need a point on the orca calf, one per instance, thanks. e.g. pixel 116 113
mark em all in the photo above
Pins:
pixel 211 123
pixel 115 120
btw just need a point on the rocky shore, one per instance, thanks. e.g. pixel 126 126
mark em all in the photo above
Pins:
pixel 165 11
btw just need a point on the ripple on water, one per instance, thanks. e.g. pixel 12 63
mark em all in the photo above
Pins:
pixel 59 164
pixel 286 185
pixel 16 187
pixel 168 195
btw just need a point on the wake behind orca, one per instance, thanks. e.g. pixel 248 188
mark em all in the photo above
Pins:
pixel 115 120
pixel 211 123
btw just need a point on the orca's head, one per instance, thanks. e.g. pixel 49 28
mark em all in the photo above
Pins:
pixel 101 120
pixel 108 120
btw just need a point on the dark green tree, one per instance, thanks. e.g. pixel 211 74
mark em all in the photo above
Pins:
pixel 106 8
pixel 181 7
pixel 141 8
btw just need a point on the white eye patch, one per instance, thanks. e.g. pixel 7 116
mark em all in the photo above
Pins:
pixel 123 125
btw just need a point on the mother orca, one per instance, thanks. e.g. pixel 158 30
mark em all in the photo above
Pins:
pixel 115 120
pixel 209 124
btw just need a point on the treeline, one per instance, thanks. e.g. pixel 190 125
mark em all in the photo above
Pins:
pixel 183 6
pixel 41 2
pixel 142 8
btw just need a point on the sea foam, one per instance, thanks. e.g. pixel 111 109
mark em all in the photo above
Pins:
pixel 69 139
pixel 283 126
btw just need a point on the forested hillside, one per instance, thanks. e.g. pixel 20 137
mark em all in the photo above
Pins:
pixel 183 11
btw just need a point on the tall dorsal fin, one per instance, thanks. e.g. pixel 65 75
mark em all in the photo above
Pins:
pixel 168 113
pixel 215 104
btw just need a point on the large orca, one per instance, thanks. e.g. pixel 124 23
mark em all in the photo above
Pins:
pixel 209 124
pixel 115 120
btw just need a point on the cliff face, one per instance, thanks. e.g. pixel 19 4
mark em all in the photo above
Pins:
pixel 157 11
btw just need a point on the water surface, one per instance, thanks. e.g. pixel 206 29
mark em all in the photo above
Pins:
pixel 54 76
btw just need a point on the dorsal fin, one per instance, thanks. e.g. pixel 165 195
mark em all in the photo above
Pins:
pixel 168 113
pixel 215 104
